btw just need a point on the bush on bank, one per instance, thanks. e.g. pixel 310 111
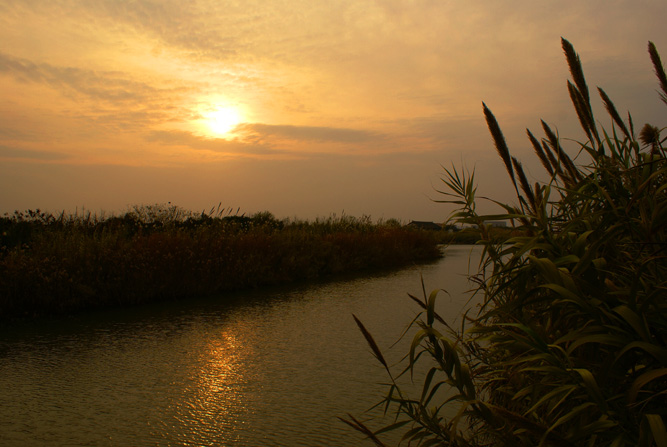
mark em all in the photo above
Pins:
pixel 569 344
pixel 51 264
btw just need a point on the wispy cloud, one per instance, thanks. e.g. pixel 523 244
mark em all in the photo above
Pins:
pixel 12 133
pixel 112 101
pixel 280 140
pixel 192 141
pixel 308 133
pixel 104 86
pixel 19 153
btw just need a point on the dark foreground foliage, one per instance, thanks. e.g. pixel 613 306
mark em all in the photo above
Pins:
pixel 62 263
pixel 569 345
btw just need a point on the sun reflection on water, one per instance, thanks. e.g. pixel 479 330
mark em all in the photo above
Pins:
pixel 213 407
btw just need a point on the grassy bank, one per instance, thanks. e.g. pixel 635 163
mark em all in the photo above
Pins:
pixel 62 263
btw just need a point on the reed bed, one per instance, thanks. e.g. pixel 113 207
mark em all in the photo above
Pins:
pixel 569 344
pixel 63 263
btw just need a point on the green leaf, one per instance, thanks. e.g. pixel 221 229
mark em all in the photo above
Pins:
pixel 560 392
pixel 371 342
pixel 634 320
pixel 592 387
pixel 657 429
pixel 427 383
pixel 603 339
pixel 657 352
pixel 565 293
pixel 430 311
pixel 412 433
pixel 575 412
pixel 579 246
pixel 394 426
pixel 548 269
pixel 642 380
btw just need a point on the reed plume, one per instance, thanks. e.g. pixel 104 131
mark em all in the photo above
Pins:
pixel 499 141
pixel 540 152
pixel 609 105
pixel 659 70
pixel 571 174
pixel 523 181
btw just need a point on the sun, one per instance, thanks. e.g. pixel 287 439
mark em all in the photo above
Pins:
pixel 222 120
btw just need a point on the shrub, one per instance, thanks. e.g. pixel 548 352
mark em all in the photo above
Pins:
pixel 568 346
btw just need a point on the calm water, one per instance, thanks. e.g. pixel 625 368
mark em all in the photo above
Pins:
pixel 273 368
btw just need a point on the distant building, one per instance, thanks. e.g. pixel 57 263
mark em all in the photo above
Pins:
pixel 497 223
pixel 422 225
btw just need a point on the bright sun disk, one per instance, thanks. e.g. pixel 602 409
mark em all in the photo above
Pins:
pixel 222 120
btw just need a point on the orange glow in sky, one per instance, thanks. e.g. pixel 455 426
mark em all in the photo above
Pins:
pixel 302 108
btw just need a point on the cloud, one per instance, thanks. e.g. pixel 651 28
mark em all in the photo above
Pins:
pixel 259 139
pixel 106 99
pixel 192 141
pixel 309 133
pixel 13 152
pixel 11 133
pixel 106 85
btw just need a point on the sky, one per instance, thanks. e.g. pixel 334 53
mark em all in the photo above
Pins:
pixel 301 108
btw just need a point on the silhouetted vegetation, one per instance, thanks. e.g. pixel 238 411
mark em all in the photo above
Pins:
pixel 569 344
pixel 60 263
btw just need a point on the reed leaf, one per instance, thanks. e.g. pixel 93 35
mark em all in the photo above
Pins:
pixel 644 380
pixel 658 430
pixel 371 342
pixel 361 427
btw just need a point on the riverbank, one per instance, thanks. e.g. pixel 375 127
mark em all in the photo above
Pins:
pixel 61 264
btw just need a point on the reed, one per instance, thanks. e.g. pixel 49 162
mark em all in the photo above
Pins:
pixel 64 263
pixel 569 344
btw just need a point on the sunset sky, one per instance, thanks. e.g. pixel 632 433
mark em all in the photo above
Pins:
pixel 301 108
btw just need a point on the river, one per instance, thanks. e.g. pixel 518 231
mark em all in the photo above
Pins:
pixel 274 367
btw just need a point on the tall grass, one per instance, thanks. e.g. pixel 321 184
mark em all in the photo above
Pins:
pixel 569 344
pixel 62 263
